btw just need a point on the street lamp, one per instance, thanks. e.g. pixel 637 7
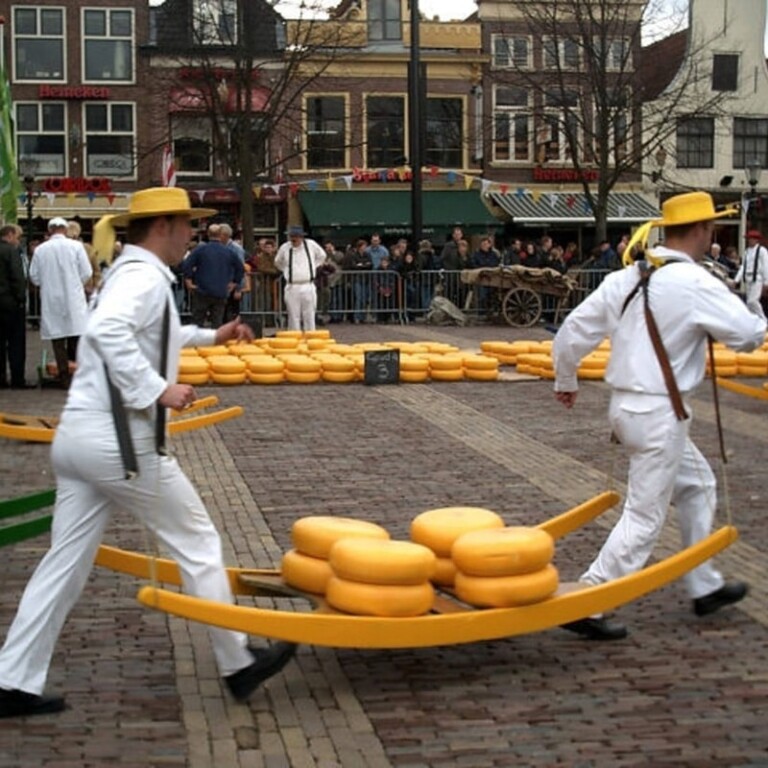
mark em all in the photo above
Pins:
pixel 752 171
pixel 29 186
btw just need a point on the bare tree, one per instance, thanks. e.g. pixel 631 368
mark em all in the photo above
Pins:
pixel 586 82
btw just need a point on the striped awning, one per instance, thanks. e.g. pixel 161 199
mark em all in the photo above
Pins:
pixel 526 207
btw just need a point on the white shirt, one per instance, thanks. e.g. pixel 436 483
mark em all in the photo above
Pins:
pixel 687 303
pixel 301 265
pixel 60 266
pixel 747 267
pixel 124 331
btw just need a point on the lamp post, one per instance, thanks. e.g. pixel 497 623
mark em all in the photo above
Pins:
pixel 752 171
pixel 29 186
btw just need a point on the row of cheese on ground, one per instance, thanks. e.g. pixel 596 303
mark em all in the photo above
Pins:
pixel 338 364
pixel 535 358
pixel 361 570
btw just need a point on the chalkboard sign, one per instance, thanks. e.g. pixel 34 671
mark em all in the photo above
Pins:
pixel 382 366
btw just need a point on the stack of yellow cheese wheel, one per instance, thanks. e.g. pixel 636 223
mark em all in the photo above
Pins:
pixel 377 577
pixel 505 567
pixel 446 367
pixel 726 362
pixel 752 363
pixel 439 528
pixel 338 369
pixel 302 369
pixel 265 369
pixel 228 369
pixel 306 566
pixel 215 349
pixel 414 369
pixel 480 367
pixel 193 369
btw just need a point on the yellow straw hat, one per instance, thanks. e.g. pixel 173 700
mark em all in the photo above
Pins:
pixel 690 208
pixel 155 201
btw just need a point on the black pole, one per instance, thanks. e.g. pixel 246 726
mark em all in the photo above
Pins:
pixel 29 185
pixel 415 113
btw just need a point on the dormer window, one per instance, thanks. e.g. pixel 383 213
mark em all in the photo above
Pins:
pixel 214 22
pixel 384 20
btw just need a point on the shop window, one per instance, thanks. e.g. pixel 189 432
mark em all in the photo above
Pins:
pixel 192 146
pixel 326 140
pixel 558 127
pixel 385 131
pixel 108 43
pixel 750 141
pixel 38 44
pixel 512 124
pixel 109 139
pixel 384 20
pixel 560 54
pixel 725 72
pixel 41 138
pixel 444 145
pixel 214 22
pixel 695 142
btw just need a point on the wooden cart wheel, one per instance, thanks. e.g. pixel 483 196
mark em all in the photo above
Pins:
pixel 521 307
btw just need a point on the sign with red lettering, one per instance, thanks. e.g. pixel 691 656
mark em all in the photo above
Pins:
pixel 564 174
pixel 75 92
pixel 68 184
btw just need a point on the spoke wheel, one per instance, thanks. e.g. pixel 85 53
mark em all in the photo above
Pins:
pixel 521 307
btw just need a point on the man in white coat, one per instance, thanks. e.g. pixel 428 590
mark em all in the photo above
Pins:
pixel 109 455
pixel 60 266
pixel 753 272
pixel 298 260
pixel 659 330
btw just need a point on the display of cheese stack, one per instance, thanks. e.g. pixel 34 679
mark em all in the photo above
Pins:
pixel 306 566
pixel 376 577
pixel 504 567
pixel 438 529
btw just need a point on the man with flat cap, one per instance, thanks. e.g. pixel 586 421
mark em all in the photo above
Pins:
pixel 298 260
pixel 753 271
pixel 658 314
pixel 60 266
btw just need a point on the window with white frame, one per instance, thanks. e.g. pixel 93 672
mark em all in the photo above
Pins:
pixel 38 44
pixel 444 146
pixel 41 138
pixel 385 131
pixel 560 53
pixel 725 72
pixel 384 20
pixel 511 52
pixel 326 141
pixel 556 124
pixel 750 141
pixel 109 139
pixel 695 142
pixel 618 56
pixel 511 124
pixel 214 22
pixel 108 42
pixel 192 145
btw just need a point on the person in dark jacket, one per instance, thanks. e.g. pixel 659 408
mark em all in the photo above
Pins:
pixel 13 299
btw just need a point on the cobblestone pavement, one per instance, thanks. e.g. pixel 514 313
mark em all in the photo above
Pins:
pixel 143 689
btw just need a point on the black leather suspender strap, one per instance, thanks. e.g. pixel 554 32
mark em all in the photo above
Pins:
pixel 309 262
pixel 122 429
pixel 754 266
pixel 656 341
pixel 161 411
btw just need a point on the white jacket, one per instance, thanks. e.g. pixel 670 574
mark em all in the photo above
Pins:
pixel 60 266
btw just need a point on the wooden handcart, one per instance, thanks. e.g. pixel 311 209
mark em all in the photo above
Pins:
pixel 520 290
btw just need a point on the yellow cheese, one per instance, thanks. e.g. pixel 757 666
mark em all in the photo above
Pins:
pixel 192 378
pixel 190 364
pixel 379 600
pixel 439 528
pixel 480 363
pixel 297 377
pixel 216 349
pixel 302 364
pixel 340 377
pixel 229 378
pixel 265 364
pixel 414 377
pixel 227 364
pixel 309 574
pixel 440 374
pixel 445 572
pixel 503 551
pixel 381 561
pixel 479 374
pixel 316 534
pixel 507 591
pixel 266 378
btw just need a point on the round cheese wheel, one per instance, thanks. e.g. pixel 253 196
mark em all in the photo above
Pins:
pixel 480 363
pixel 319 333
pixel 381 561
pixel 442 362
pixel 316 534
pixel 229 378
pixel 439 528
pixel 216 349
pixel 379 600
pixel 478 374
pixel 309 574
pixel 503 551
pixel 298 377
pixel 283 343
pixel 445 572
pixel 507 591
pixel 439 374
pixel 243 349
pixel 196 364
pixel 227 364
pixel 337 364
pixel 265 364
pixel 192 378
pixel 303 364
pixel 414 377
pixel 590 373
pixel 412 363
pixel 751 371
pixel 287 334
pixel 266 378
pixel 340 377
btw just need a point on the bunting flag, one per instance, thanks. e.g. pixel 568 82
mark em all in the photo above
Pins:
pixel 10 185
pixel 169 168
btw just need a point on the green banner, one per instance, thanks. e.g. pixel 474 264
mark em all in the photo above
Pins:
pixel 10 186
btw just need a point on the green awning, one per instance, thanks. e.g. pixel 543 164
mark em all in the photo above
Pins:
pixel 389 212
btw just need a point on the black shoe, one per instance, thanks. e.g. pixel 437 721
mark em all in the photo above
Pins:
pixel 267 662
pixel 726 595
pixel 22 704
pixel 23 385
pixel 597 629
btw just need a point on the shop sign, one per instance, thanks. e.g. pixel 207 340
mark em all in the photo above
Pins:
pixel 564 174
pixel 76 92
pixel 67 184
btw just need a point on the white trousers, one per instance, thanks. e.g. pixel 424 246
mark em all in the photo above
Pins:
pixel 90 487
pixel 665 467
pixel 754 292
pixel 301 303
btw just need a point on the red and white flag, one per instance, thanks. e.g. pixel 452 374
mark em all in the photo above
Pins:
pixel 169 169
